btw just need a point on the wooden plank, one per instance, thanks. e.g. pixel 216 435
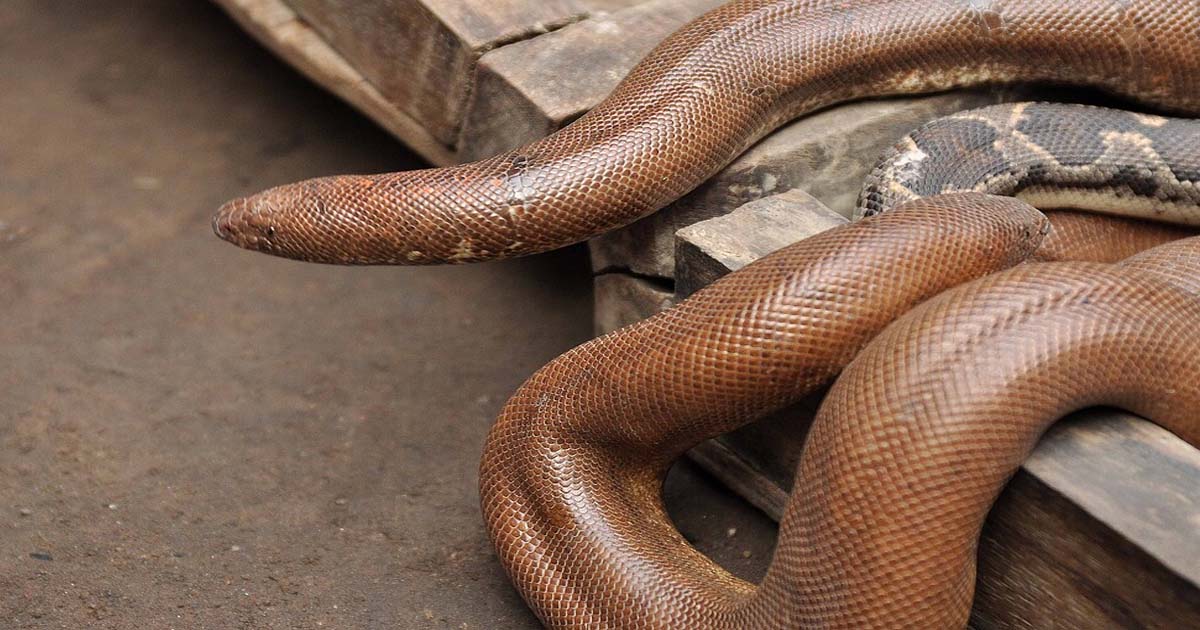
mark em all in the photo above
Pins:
pixel 281 30
pixel 827 154
pixel 713 247
pixel 528 89
pixel 1100 528
pixel 412 65
pixel 421 54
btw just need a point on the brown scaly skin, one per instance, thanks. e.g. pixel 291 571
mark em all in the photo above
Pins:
pixel 703 96
pixel 570 477
pixel 1086 236
pixel 571 472
pixel 906 456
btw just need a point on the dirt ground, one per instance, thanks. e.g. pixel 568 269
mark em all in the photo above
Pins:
pixel 193 436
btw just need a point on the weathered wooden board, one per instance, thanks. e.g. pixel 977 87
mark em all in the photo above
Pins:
pixel 1101 528
pixel 528 89
pixel 621 299
pixel 420 54
pixel 461 79
pixel 762 226
pixel 748 233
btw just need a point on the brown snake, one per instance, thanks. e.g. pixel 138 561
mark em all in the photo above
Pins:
pixel 703 96
pixel 919 434
pixel 906 456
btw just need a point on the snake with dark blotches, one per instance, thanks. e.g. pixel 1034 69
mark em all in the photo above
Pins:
pixel 918 435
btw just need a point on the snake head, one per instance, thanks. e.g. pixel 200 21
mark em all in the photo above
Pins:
pixel 248 222
pixel 323 220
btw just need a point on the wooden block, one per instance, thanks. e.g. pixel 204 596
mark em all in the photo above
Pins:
pixel 827 154
pixel 277 26
pixel 1100 528
pixel 712 248
pixel 528 89
pixel 411 65
pixel 421 54
pixel 621 299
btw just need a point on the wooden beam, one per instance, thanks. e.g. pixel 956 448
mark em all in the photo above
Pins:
pixel 411 65
pixel 709 249
pixel 421 54
pixel 621 299
pixel 528 89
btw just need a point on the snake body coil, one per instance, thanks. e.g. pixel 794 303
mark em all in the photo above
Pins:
pixel 703 96
pixel 1050 156
pixel 907 454
pixel 572 470
pixel 1121 166
pixel 918 436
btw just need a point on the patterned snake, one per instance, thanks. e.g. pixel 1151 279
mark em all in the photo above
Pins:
pixel 923 427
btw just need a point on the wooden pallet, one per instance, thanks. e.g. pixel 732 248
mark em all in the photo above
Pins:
pixel 1101 527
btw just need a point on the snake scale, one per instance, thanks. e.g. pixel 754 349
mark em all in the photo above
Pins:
pixel 974 353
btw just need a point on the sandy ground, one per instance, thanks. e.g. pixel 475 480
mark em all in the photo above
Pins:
pixel 193 436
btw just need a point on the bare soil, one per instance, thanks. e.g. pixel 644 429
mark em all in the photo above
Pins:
pixel 193 436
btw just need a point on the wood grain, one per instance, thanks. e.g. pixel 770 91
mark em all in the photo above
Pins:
pixel 421 54
pixel 528 89
pixel 280 29
pixel 711 248
pixel 621 299
pixel 440 75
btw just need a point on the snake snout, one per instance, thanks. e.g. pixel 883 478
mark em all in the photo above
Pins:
pixel 222 221
pixel 245 222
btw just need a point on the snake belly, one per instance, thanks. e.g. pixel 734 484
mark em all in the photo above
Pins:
pixel 703 96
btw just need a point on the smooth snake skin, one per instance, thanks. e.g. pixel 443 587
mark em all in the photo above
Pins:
pixel 925 425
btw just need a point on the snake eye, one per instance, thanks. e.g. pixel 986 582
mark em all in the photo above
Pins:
pixel 270 231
